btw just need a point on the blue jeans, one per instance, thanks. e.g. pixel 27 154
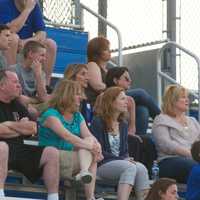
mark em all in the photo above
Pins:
pixel 145 107
pixel 177 168
pixel 142 118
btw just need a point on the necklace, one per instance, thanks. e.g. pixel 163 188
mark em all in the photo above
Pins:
pixel 183 121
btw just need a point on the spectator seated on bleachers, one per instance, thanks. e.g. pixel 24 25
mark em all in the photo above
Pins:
pixel 145 105
pixel 174 134
pixel 31 74
pixel 5 40
pixel 15 125
pixel 79 73
pixel 141 147
pixel 25 20
pixel 163 189
pixel 193 184
pixel 111 130
pixel 62 126
pixel 98 54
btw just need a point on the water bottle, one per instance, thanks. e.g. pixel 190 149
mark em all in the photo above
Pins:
pixel 89 114
pixel 155 171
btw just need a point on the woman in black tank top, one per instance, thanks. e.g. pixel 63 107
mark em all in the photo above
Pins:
pixel 98 52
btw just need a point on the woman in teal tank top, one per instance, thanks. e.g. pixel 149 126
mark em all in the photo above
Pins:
pixel 63 126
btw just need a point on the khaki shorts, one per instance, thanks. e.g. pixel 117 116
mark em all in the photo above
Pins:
pixel 66 164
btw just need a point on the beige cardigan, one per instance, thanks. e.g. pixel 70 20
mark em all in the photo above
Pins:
pixel 169 135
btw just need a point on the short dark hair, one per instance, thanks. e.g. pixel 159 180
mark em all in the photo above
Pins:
pixel 32 46
pixel 115 72
pixel 3 27
pixel 195 151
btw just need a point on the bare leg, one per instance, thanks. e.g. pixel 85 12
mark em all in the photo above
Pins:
pixel 11 53
pixel 89 188
pixel 123 191
pixel 50 61
pixel 84 160
pixel 3 163
pixel 50 162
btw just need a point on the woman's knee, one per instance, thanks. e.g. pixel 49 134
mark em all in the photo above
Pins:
pixel 51 153
pixel 128 176
pixel 141 169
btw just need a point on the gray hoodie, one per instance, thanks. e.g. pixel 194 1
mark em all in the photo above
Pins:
pixel 170 134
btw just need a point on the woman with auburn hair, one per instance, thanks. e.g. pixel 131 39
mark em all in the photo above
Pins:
pixel 111 130
pixel 140 106
pixel 145 105
pixel 98 53
pixel 174 133
pixel 163 189
pixel 62 126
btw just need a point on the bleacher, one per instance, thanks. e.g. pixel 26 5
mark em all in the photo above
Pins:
pixel 72 46
pixel 71 49
pixel 18 186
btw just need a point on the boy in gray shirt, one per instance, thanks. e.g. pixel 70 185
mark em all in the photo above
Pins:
pixel 31 74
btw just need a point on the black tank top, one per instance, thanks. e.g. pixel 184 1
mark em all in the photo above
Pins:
pixel 91 93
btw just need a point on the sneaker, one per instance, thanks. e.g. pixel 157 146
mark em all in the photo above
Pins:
pixel 84 176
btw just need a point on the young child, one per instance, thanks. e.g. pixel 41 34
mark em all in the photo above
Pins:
pixel 193 184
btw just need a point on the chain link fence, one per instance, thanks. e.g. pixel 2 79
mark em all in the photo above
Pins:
pixel 188 37
pixel 58 12
pixel 140 21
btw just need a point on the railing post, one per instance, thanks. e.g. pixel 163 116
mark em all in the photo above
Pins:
pixel 77 12
pixel 120 58
pixel 159 83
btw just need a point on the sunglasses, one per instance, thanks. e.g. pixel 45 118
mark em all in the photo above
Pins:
pixel 126 78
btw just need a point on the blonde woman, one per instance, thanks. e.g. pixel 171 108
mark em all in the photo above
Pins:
pixel 62 126
pixel 79 73
pixel 174 133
